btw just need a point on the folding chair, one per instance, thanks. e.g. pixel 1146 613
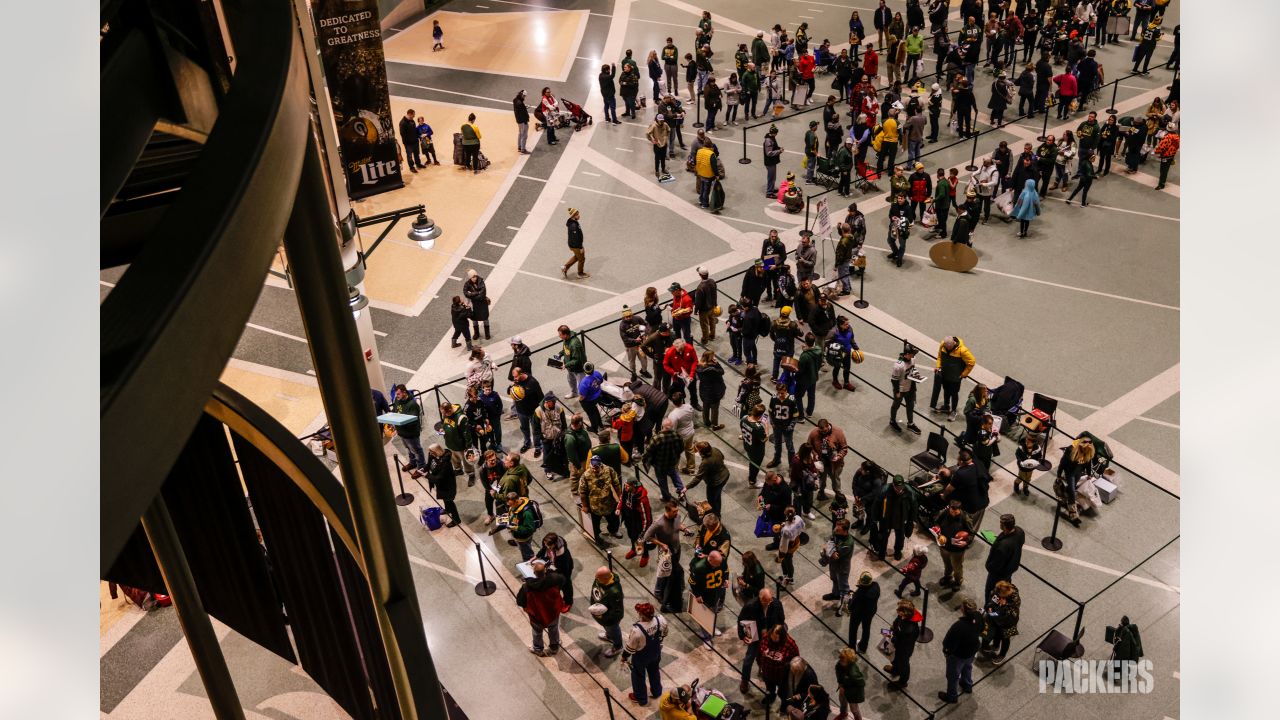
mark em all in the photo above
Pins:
pixel 934 456
pixel 1059 647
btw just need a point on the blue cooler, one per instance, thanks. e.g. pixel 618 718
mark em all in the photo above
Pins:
pixel 431 517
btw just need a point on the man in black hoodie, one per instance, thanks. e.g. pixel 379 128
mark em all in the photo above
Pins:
pixel 409 137
pixel 960 645
pixel 1005 555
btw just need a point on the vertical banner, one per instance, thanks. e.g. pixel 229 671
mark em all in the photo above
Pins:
pixel 823 225
pixel 350 41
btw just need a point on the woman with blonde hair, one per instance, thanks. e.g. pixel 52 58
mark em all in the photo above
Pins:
pixel 851 684
pixel 1002 611
pixel 1076 462
pixel 655 75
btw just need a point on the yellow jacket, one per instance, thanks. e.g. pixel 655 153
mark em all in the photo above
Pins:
pixel 668 710
pixel 890 128
pixel 703 164
pixel 954 359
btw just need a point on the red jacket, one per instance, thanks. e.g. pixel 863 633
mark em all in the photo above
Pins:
pixel 871 63
pixel 681 305
pixel 635 504
pixel 673 362
pixel 543 598
pixel 1066 84
pixel 806 64
pixel 915 566
pixel 775 658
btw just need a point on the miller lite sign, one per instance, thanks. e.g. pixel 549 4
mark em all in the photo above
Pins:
pixel 350 41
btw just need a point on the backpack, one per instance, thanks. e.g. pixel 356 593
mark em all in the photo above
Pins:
pixel 834 353
pixel 537 513
pixel 763 325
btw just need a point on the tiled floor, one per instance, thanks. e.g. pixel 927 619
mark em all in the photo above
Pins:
pixel 1085 310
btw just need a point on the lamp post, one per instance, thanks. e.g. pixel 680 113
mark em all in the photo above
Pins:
pixel 424 231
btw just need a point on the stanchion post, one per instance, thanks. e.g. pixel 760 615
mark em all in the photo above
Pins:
pixel 745 160
pixel 697 110
pixel 485 587
pixel 926 633
pixel 608 701
pixel 861 302
pixel 609 555
pixel 1077 648
pixel 403 498
pixel 1044 131
pixel 1115 89
pixel 806 213
pixel 973 155
pixel 1052 543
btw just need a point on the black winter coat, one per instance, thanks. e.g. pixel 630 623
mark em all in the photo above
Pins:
pixel 442 477
pixel 1005 555
pixel 711 382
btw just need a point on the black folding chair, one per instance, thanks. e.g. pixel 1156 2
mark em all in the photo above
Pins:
pixel 934 456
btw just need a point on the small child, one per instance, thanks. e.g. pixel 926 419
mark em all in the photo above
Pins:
pixel 437 34
pixel 839 508
pixel 911 573
pixel 735 334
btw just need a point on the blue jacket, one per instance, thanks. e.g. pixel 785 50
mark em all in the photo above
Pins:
pixel 589 386
pixel 844 337
pixel 1028 205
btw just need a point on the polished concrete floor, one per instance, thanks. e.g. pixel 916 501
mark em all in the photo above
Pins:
pixel 1086 310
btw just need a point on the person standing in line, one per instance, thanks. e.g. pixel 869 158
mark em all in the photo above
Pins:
pixel 954 364
pixel 892 511
pixel 1044 81
pixel 579 255
pixel 476 293
pixel 522 122
pixel 655 74
pixel 606 592
pixel 437 36
pixel 955 535
pixel 840 559
pixel 599 492
pixel 409 433
pixel 1147 46
pixel 670 68
pixel 659 135
pixel 1004 605
pixel 574 354
pixel 409 138
pixel 904 390
pixel 711 469
pixel 608 92
pixel 750 81
pixel 662 456
pixel 711 102
pixel 644 648
pixel 637 516
pixel 772 156
pixel 425 135
pixel 777 649
pixel 1005 556
pixel 1087 173
pixel 542 598
pixel 1166 151
pixel 547 104
pixel 442 478
pixel 960 646
pixel 1027 208
pixel 766 613
pixel 664 533
pixel 906 630
pixel 851 685
pixel 710 388
pixel 471 144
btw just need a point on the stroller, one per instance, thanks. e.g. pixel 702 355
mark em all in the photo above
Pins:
pixel 556 119
pixel 577 115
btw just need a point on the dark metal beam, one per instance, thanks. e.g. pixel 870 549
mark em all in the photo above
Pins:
pixel 321 289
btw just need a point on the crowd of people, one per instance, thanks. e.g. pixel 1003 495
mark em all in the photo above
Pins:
pixel 664 418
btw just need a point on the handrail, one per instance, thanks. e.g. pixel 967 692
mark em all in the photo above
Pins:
pixel 178 311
